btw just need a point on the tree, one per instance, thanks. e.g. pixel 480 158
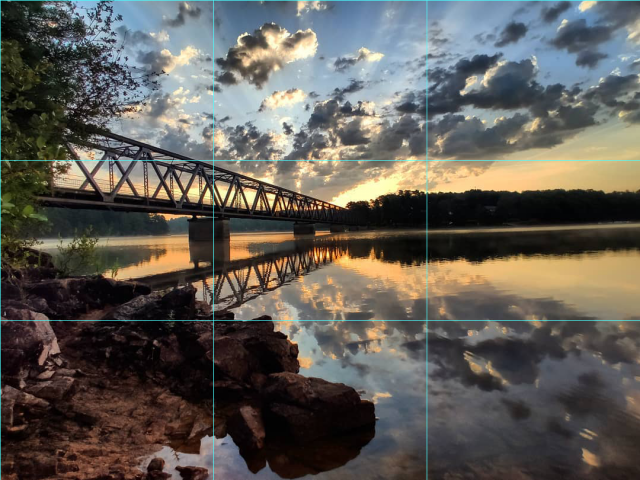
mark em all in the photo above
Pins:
pixel 67 76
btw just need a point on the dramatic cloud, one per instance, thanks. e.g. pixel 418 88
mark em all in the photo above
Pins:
pixel 244 141
pixel 269 49
pixel 413 102
pixel 364 55
pixel 551 14
pixel 354 86
pixel 282 99
pixel 511 34
pixel 185 11
pixel 590 59
pixel 165 61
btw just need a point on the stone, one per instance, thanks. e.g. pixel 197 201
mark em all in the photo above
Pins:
pixel 22 314
pixel 14 400
pixel 231 360
pixel 53 390
pixel 156 464
pixel 193 473
pixel 311 408
pixel 247 429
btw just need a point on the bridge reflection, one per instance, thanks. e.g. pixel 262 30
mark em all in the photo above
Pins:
pixel 239 281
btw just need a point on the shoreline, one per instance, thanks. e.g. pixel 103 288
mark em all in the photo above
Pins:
pixel 533 227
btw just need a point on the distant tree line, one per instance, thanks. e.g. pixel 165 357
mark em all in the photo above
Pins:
pixel 478 207
pixel 64 222
pixel 407 207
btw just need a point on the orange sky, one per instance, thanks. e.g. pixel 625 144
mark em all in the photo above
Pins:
pixel 450 176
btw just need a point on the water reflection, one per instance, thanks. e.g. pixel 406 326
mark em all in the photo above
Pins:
pixel 196 453
pixel 162 261
pixel 385 362
pixel 366 275
pixel 534 400
pixel 558 274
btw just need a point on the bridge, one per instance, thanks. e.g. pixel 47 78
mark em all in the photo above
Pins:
pixel 175 187
pixel 240 196
pixel 240 281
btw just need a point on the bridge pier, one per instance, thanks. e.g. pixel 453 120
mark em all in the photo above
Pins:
pixel 337 228
pixel 354 228
pixel 221 228
pixel 304 229
pixel 200 229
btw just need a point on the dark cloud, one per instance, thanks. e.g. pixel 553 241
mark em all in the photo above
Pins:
pixel 589 58
pixel 286 128
pixel 216 88
pixel 247 142
pixel 222 120
pixel 313 95
pixel 307 107
pixel 576 35
pixel 155 61
pixel 484 38
pixel 518 410
pixel 342 64
pixel 413 102
pixel 551 14
pixel 178 140
pixel 254 57
pixel 511 34
pixel 134 38
pixel 185 10
pixel 354 86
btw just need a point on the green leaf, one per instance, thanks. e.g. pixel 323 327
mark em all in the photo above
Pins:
pixel 7 205
pixel 6 197
pixel 41 142
pixel 37 216
pixel 28 210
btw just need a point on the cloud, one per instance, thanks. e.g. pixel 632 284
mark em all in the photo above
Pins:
pixel 269 49
pixel 245 142
pixel 161 36
pixel 551 14
pixel 342 64
pixel 303 7
pixel 354 86
pixel 165 61
pixel 282 99
pixel 286 128
pixel 589 58
pixel 511 34
pixel 185 10
pixel 413 102
pixel 178 140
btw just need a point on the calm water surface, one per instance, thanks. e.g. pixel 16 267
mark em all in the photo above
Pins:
pixel 161 261
pixel 198 454
pixel 385 362
pixel 562 273
pixel 353 276
pixel 534 400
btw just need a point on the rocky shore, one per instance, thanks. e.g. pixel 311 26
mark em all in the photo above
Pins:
pixel 299 425
pixel 91 400
pixel 38 293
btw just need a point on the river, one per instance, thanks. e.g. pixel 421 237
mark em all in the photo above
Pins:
pixel 534 400
pixel 161 261
pixel 386 363
pixel 367 275
pixel 554 273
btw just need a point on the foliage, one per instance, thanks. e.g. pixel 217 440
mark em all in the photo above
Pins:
pixel 28 130
pixel 79 255
pixel 477 207
pixel 407 207
pixel 64 73
pixel 21 183
pixel 63 222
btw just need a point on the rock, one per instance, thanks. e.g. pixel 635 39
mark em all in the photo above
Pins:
pixel 176 305
pixel 14 401
pixel 180 301
pixel 22 314
pixel 193 473
pixel 310 408
pixel 156 464
pixel 223 315
pixel 232 359
pixel 53 390
pixel 247 429
pixel 26 344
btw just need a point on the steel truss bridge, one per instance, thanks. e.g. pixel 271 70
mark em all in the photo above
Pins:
pixel 152 186
pixel 240 281
pixel 239 196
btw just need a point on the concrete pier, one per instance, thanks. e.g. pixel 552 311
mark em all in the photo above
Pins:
pixel 337 228
pixel 304 229
pixel 200 229
pixel 221 228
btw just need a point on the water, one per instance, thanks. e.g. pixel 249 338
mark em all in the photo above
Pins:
pixel 197 454
pixel 160 261
pixel 534 400
pixel 562 273
pixel 385 361
pixel 377 275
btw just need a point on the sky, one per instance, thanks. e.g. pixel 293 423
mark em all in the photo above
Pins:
pixel 335 181
pixel 460 176
pixel 320 80
pixel 534 80
pixel 176 37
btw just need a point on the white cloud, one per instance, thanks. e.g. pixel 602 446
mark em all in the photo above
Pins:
pixel 308 6
pixel 584 6
pixel 195 99
pixel 180 91
pixel 283 99
pixel 161 36
pixel 368 55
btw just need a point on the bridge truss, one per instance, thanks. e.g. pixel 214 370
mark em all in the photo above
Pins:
pixel 239 196
pixel 117 147
pixel 154 186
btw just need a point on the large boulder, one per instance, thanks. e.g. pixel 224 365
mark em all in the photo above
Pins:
pixel 25 345
pixel 310 408
pixel 246 428
pixel 179 304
